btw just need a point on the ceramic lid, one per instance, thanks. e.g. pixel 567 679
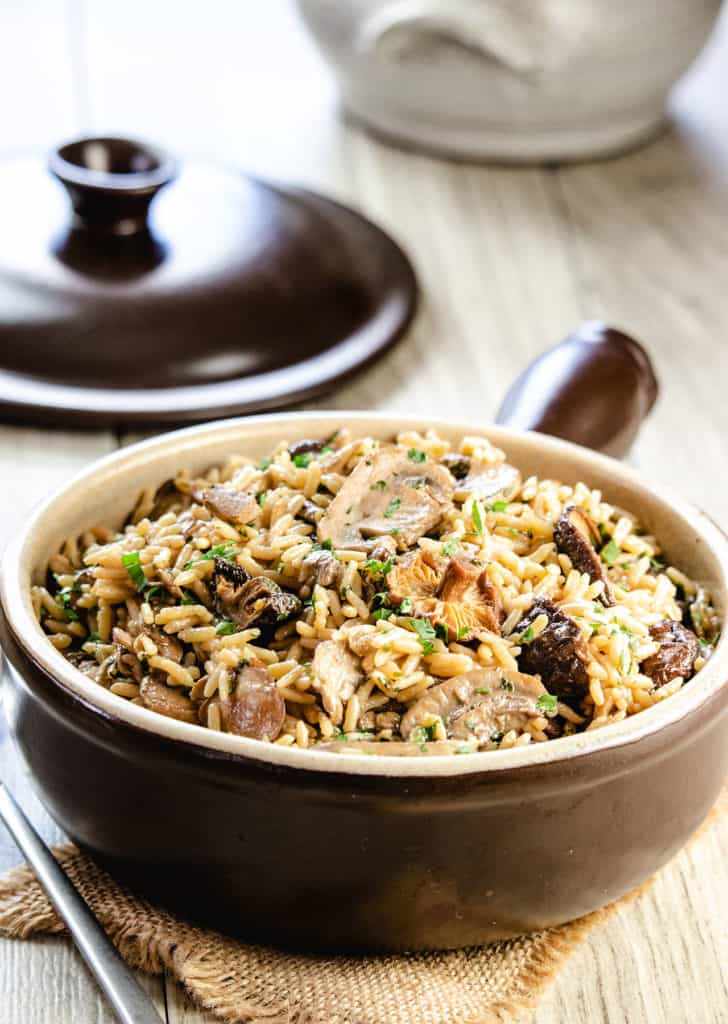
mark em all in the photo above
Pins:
pixel 138 289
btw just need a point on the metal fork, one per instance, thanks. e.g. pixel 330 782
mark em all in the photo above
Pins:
pixel 130 1002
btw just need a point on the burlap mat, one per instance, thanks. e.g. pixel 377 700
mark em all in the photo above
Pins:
pixel 257 985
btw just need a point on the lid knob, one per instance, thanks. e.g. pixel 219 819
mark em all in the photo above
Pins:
pixel 111 182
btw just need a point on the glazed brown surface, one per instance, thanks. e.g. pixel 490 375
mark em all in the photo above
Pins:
pixel 236 294
pixel 594 388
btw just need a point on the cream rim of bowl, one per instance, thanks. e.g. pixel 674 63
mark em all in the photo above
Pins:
pixel 84 500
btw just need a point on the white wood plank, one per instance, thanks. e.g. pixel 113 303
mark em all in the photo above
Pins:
pixel 39 96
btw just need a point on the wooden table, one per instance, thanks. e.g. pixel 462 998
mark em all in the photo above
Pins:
pixel 509 260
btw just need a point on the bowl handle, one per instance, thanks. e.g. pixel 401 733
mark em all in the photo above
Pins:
pixel 489 30
pixel 594 388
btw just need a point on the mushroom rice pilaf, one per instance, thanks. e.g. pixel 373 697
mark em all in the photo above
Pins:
pixel 402 597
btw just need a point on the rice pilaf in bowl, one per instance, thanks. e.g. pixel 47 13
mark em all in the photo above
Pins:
pixel 406 597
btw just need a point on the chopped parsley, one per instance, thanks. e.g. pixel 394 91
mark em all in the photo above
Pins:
pixel 152 592
pixel 382 613
pixel 326 450
pixel 611 552
pixel 463 632
pixel 465 748
pixel 450 547
pixel 64 596
pixel 527 635
pixel 376 568
pixel 188 597
pixel 378 485
pixel 406 607
pixel 416 456
pixel 484 691
pixel 547 702
pixel 657 566
pixel 497 506
pixel 260 497
pixel 219 551
pixel 226 627
pixel 392 507
pixel 263 464
pixel 426 633
pixel 476 516
pixel 423 733
pixel 394 532
pixel 302 459
pixel 133 565
pixel 506 684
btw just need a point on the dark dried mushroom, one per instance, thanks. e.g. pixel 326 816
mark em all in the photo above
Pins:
pixel 459 465
pixel 166 498
pixel 576 536
pixel 322 567
pixel 336 674
pixel 305 446
pixel 250 601
pixel 500 482
pixel 167 700
pixel 454 593
pixel 256 707
pixel 479 707
pixel 676 656
pixel 387 495
pixel 237 507
pixel 557 654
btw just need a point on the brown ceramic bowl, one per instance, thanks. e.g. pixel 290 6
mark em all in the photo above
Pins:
pixel 319 850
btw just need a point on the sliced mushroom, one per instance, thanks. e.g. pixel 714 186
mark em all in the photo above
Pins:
pixel 576 536
pixel 166 700
pixel 322 567
pixel 305 446
pixel 250 600
pixel 168 646
pixel 479 707
pixel 558 654
pixel 336 674
pixel 256 707
pixel 387 495
pixel 310 512
pixel 167 580
pixel 237 507
pixel 678 650
pixel 487 482
pixel 127 661
pixel 456 593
